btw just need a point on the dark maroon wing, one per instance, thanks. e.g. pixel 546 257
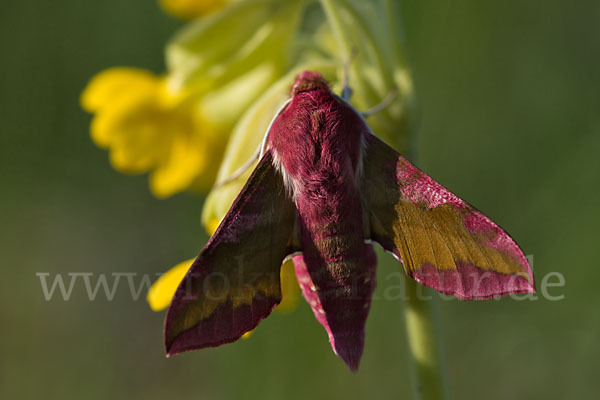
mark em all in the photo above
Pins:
pixel 235 281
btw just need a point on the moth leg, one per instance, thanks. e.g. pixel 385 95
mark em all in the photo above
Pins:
pixel 386 102
pixel 257 154
pixel 240 171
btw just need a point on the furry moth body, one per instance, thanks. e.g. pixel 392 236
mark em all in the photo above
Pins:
pixel 323 190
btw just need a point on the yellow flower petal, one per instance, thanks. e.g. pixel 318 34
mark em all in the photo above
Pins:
pixel 290 290
pixel 162 291
pixel 110 85
pixel 141 143
pixel 148 126
pixel 248 334
pixel 188 157
pixel 127 103
pixel 188 9
pixel 212 225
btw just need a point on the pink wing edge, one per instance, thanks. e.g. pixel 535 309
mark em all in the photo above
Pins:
pixel 483 284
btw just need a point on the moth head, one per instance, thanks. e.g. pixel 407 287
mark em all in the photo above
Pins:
pixel 307 81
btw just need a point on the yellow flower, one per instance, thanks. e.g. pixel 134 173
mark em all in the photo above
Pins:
pixel 176 126
pixel 148 127
pixel 189 9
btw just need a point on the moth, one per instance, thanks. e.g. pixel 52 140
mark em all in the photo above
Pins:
pixel 324 190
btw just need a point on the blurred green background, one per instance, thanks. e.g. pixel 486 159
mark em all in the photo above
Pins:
pixel 509 119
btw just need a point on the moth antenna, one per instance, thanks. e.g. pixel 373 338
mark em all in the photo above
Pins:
pixel 346 89
pixel 240 170
pixel 385 103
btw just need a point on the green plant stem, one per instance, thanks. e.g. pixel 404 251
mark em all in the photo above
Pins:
pixel 423 331
pixel 421 309
pixel 422 326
